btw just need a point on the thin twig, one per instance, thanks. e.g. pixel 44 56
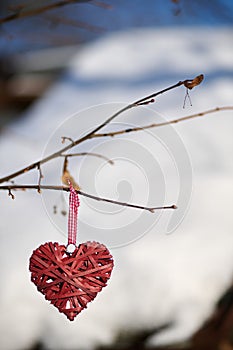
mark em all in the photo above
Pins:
pixel 38 10
pixel 88 135
pixel 74 23
pixel 146 103
pixel 152 96
pixel 81 154
pixel 67 189
pixel 154 125
pixel 10 194
pixel 40 178
pixel 102 4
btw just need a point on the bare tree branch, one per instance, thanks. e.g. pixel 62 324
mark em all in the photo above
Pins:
pixel 67 189
pixel 38 10
pixel 88 154
pixel 74 23
pixel 155 125
pixel 91 133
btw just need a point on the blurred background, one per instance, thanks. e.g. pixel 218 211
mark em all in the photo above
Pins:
pixel 37 38
pixel 59 59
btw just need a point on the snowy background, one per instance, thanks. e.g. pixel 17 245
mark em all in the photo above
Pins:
pixel 158 277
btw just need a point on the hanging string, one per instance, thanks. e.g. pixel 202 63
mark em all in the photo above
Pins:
pixel 73 215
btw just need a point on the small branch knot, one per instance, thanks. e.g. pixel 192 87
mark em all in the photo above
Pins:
pixel 65 138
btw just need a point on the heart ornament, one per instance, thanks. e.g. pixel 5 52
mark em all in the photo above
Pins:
pixel 70 280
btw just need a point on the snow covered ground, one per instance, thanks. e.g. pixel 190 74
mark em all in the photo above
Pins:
pixel 158 277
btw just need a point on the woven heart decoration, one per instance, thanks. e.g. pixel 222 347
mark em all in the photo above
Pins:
pixel 70 281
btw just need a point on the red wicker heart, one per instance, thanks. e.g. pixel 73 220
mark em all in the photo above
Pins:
pixel 70 281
